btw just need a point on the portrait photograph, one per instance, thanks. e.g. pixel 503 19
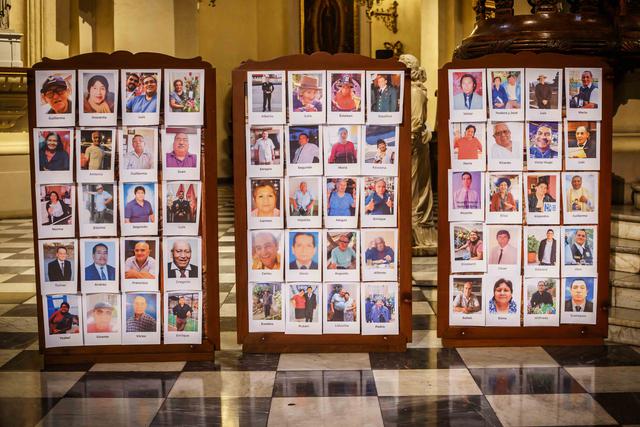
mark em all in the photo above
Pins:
pixel 544 146
pixel 99 262
pixel 540 301
pixel 579 254
pixel 99 91
pixel 379 201
pixel 302 255
pixel 341 202
pixel 580 192
pixel 265 150
pixel 542 197
pixel 379 301
pixel 103 320
pixel 304 201
pixel 53 155
pixel 55 100
pixel 95 154
pixel 305 150
pixel 468 146
pixel 58 266
pixel 307 97
pixel 579 300
pixel 380 154
pixel 56 210
pixel 466 200
pixel 183 317
pixel 342 308
pixel 97 209
pixel 138 208
pixel 266 97
pixel 544 94
pixel 346 104
pixel 385 97
pixel 504 198
pixel 505 142
pixel 141 318
pixel 266 255
pixel 467 95
pixel 182 201
pixel 139 263
pixel 468 247
pixel 141 90
pixel 379 248
pixel 138 151
pixel 181 153
pixel 62 320
pixel 582 145
pixel 342 255
pixel 507 100
pixel 583 93
pixel 264 203
pixel 266 307
pixel 303 311
pixel 542 249
pixel 504 248
pixel 342 146
pixel 184 99
pixel 466 300
pixel 503 294
pixel 183 263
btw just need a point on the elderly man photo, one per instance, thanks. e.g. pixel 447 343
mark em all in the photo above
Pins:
pixel 468 98
pixel 306 151
pixel 541 143
pixel 101 317
pixel 584 147
pixel 139 157
pixel 579 199
pixel 180 266
pixel 264 250
pixel 303 248
pixel 337 306
pixel 99 269
pixel 59 270
pixel 466 302
pixel 503 147
pixel 140 265
pixel 303 201
pixel 183 312
pixel 543 93
pixel 342 256
pixel 180 157
pixel 379 254
pixel 264 149
pixel 140 321
pixel 504 253
pixel 465 197
pixel 578 301
pixel 56 93
pixel 147 101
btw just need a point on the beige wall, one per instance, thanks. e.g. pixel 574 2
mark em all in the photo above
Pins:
pixel 144 26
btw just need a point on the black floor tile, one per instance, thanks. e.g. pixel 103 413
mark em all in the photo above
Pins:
pixel 621 406
pixel 22 278
pixel 437 410
pixel 17 340
pixel 32 360
pixel 603 355
pixel 20 240
pixel 23 310
pixel 5 250
pixel 231 298
pixel 525 381
pixel 418 358
pixel 234 360
pixel 226 287
pixel 23 411
pixel 228 324
pixel 424 322
pixel 208 411
pixel 21 256
pixel 226 269
pixel 124 384
pixel 13 270
pixel 324 384
pixel 417 296
pixel 15 297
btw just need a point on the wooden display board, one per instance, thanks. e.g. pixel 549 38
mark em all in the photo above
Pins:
pixel 564 334
pixel 281 342
pixel 208 223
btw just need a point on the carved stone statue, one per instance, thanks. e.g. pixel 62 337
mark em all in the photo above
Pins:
pixel 424 231
pixel 5 7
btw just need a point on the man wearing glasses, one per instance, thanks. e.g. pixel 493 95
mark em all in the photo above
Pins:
pixel 55 92
pixel 147 102
pixel 503 148
pixel 342 257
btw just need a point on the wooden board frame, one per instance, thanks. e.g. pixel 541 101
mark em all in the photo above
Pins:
pixel 467 336
pixel 280 342
pixel 208 224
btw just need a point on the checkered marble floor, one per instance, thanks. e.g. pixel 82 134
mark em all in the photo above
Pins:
pixel 426 385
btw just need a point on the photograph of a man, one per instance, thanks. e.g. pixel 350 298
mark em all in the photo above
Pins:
pixel 264 249
pixel 264 149
pixel 579 291
pixel 179 156
pixel 503 146
pixel 183 312
pixel 180 266
pixel 579 198
pixel 311 302
pixel 384 95
pixel 588 95
pixel 139 209
pixel 147 101
pixel 93 157
pixel 140 157
pixel 464 196
pixel 541 296
pixel 579 251
pixel 581 144
pixel 503 253
pixel 341 256
pixel 55 94
pixel 59 270
pixel 139 318
pixel 100 204
pixel 99 269
pixel 303 201
pixel 267 89
pixel 100 318
pixel 305 151
pixel 466 301
pixel 542 139
pixel 547 250
pixel 140 265
pixel 543 93
pixel 304 250
pixel 61 320
pixel 468 98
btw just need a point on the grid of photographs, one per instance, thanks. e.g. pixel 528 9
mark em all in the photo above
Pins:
pixel 322 153
pixel 119 245
pixel 523 198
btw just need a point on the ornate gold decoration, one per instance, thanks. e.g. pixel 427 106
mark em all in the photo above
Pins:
pixel 389 16
pixel 397 47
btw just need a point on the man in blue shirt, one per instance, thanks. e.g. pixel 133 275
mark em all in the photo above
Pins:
pixel 100 270
pixel 379 202
pixel 380 313
pixel 138 209
pixel 101 199
pixel 147 102
pixel 342 257
pixel 542 148
pixel 380 253
pixel 303 201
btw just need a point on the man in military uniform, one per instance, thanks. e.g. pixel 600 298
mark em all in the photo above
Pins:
pixel 181 209
pixel 267 90
pixel 385 97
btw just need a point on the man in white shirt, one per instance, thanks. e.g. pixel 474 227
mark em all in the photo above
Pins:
pixel 503 148
pixel 579 198
pixel 141 265
pixel 504 253
pixel 266 149
pixel 101 199
pixel 466 302
pixel 306 152
pixel 138 158
pixel 302 201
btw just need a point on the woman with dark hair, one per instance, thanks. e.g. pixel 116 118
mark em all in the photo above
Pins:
pixel 57 210
pixel 98 99
pixel 502 200
pixel 499 95
pixel 53 156
pixel 502 301
pixel 343 151
pixel 61 321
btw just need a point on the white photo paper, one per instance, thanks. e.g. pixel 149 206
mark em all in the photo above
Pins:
pixel 97 209
pixel 184 97
pixel 341 255
pixel 468 247
pixel 55 98
pixel 506 88
pixel 584 93
pixel 99 262
pixel 542 197
pixel 580 253
pixel 504 198
pixel 468 146
pixel 505 146
pixel 266 307
pixel 266 93
pixel 62 320
pixel 303 255
pixel 138 150
pixel 181 151
pixel 379 301
pixel 579 300
pixel 138 208
pixel 542 248
pixel 303 198
pixel 304 150
pixel 95 154
pixel 467 95
pixel 265 150
pixel 341 202
pixel 141 318
pixel 103 319
pixel 141 94
pixel 580 197
pixel 56 210
pixel 342 150
pixel 379 248
pixel 266 255
pixel 466 200
pixel 380 150
pixel 307 97
pixel 182 201
pixel 182 263
pixel 582 145
pixel 466 300
pixel 58 266
pixel 503 293
pixel 139 264
pixel 342 315
pixel 544 146
pixel 53 155
pixel 504 247
pixel 540 301
pixel 183 317
pixel 543 94
pixel 265 203
pixel 379 200
pixel 385 97
pixel 346 93
pixel 99 91
pixel 304 308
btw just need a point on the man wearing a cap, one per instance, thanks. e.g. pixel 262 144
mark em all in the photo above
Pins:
pixel 306 94
pixel 55 92
pixel 101 199
pixel 99 269
pixel 100 320
pixel 543 92
pixel 180 266
pixel 147 102
pixel 384 97
pixel 182 311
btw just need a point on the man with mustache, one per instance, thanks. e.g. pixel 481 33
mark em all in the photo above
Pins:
pixel 181 266
pixel 180 156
